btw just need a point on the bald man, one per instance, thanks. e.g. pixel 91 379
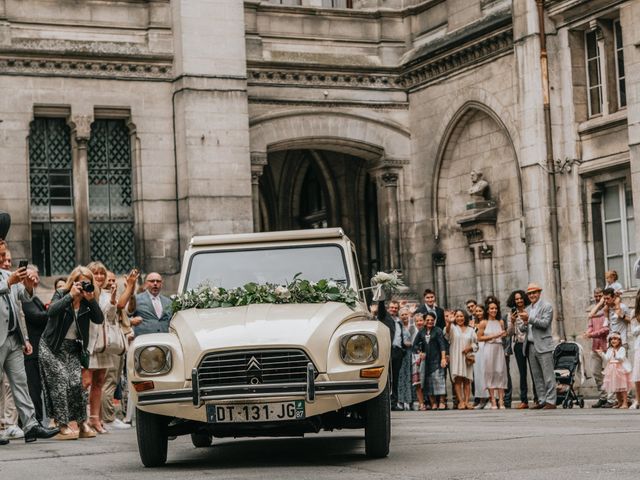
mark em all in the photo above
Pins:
pixel 152 311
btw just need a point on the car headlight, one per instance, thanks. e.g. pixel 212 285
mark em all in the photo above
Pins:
pixel 153 360
pixel 359 348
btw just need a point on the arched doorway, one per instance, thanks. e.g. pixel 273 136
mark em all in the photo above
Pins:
pixel 311 188
pixel 480 238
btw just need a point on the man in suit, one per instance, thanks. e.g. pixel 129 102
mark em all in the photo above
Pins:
pixel 429 305
pixel 35 316
pixel 538 345
pixel 396 329
pixel 152 311
pixel 14 340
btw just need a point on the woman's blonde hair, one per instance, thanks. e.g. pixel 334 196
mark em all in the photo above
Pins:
pixel 98 267
pixel 79 271
pixel 611 273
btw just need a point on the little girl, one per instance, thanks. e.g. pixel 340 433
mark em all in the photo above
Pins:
pixel 611 278
pixel 617 372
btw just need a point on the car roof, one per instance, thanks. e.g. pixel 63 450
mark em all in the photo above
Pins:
pixel 268 237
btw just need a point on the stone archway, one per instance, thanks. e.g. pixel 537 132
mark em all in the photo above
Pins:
pixel 480 246
pixel 359 160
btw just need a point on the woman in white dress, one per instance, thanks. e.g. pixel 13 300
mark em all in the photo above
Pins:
pixel 481 394
pixel 462 344
pixel 491 331
pixel 94 376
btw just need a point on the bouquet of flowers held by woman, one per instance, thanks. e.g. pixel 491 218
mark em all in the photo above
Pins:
pixel 383 283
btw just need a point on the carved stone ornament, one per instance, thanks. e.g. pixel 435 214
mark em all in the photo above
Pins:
pixel 82 127
pixel 479 186
pixel 389 179
pixel 87 68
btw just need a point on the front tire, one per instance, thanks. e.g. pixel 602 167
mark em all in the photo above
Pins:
pixel 377 428
pixel 201 440
pixel 151 430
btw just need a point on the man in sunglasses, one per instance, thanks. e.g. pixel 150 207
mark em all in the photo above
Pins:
pixel 538 345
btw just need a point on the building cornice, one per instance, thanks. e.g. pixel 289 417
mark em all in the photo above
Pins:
pixel 85 68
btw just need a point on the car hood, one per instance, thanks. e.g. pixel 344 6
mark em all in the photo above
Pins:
pixel 306 326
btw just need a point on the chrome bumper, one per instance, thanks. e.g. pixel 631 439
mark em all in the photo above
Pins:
pixel 308 390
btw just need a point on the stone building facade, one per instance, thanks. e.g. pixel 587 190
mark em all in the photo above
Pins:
pixel 127 126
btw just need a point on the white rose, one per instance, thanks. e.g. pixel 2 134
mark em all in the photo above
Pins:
pixel 282 292
pixel 332 284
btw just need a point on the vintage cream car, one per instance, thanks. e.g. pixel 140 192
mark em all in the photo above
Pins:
pixel 264 369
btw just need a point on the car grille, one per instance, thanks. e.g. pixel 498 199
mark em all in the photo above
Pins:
pixel 252 367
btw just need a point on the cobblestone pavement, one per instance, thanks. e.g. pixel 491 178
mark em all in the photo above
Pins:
pixel 485 444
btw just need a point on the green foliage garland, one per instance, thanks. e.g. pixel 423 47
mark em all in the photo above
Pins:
pixel 298 291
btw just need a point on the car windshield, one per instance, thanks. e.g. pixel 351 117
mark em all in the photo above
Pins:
pixel 278 265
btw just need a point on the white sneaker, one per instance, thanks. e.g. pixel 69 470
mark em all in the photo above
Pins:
pixel 634 405
pixel 118 425
pixel 13 431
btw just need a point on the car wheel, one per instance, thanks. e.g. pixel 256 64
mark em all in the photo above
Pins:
pixel 151 430
pixel 377 428
pixel 201 440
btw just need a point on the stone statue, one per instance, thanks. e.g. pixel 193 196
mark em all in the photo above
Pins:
pixel 479 186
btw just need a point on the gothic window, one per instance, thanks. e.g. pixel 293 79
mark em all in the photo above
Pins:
pixel 618 226
pixel 313 207
pixel 619 58
pixel 51 191
pixel 111 234
pixel 594 74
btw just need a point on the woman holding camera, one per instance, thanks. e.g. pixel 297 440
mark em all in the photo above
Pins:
pixel 63 349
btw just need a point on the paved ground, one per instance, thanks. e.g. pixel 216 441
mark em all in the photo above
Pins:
pixel 594 444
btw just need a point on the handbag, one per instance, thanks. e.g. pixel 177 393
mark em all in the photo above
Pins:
pixel 470 358
pixel 85 357
pixel 111 339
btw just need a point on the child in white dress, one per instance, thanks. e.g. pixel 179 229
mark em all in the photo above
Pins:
pixel 617 373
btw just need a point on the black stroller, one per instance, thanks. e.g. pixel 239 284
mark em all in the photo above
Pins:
pixel 566 360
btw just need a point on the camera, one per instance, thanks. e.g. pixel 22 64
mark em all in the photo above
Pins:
pixel 87 286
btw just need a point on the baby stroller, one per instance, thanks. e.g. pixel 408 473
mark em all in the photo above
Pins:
pixel 566 361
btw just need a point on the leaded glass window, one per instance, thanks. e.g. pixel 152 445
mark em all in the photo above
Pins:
pixel 111 234
pixel 51 191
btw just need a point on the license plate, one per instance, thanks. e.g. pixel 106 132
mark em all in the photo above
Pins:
pixel 256 412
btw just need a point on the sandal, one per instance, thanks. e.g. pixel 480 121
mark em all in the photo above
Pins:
pixel 422 407
pixel 442 406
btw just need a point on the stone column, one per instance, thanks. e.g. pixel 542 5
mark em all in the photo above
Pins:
pixel 258 162
pixel 80 133
pixel 485 254
pixel 211 118
pixel 388 216
pixel 439 263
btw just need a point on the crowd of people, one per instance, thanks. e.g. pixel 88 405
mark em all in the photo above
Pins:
pixel 63 360
pixel 472 348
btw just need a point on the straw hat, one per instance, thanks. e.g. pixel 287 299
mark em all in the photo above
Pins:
pixel 534 287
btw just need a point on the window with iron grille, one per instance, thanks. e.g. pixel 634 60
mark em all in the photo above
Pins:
pixel 51 191
pixel 622 89
pixel 111 233
pixel 594 75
